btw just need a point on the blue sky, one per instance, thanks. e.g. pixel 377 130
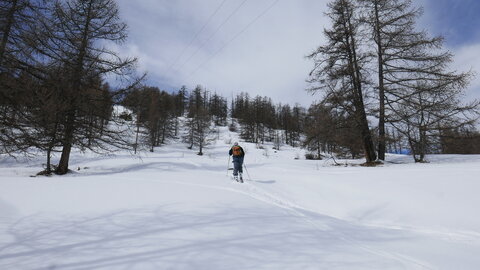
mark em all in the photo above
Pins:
pixel 258 46
pixel 457 20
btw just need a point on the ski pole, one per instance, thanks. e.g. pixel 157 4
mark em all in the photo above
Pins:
pixel 228 165
pixel 245 166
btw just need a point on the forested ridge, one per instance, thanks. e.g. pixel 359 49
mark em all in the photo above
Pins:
pixel 381 86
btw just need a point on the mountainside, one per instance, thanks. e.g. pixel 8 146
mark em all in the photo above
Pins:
pixel 173 209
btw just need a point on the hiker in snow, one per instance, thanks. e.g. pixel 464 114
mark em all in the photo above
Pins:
pixel 237 152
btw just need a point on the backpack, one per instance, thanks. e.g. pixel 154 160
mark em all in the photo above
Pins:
pixel 236 151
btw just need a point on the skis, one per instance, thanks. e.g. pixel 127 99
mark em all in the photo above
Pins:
pixel 239 180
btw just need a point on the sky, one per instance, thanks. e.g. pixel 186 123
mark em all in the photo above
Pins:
pixel 259 46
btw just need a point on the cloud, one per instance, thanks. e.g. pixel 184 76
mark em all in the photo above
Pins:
pixel 266 59
pixel 467 58
pixel 458 24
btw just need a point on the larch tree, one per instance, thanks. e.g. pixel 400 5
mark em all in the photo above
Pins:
pixel 75 36
pixel 200 120
pixel 17 19
pixel 413 74
pixel 339 68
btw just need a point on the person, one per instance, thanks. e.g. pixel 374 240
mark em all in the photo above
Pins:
pixel 238 154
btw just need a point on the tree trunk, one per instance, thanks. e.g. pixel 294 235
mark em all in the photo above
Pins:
pixel 48 170
pixel 423 144
pixel 422 130
pixel 50 147
pixel 176 126
pixel 370 154
pixel 152 140
pixel 76 87
pixel 319 149
pixel 136 137
pixel 200 152
pixel 381 89
pixel 164 130
pixel 67 145
pixel 361 115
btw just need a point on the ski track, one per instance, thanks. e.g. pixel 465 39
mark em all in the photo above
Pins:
pixel 260 194
pixel 468 237
pixel 319 221
pixel 277 201
pixel 267 197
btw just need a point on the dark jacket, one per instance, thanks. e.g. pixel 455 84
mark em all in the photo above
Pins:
pixel 241 149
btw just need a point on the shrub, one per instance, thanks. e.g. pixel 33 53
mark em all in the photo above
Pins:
pixel 126 116
pixel 311 156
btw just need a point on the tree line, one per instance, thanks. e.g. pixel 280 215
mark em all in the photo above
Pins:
pixel 193 115
pixel 158 114
pixel 262 121
pixel 55 61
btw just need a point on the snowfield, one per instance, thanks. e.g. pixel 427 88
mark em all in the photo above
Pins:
pixel 172 209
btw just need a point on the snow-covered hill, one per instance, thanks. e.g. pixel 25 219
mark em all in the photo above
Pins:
pixel 173 209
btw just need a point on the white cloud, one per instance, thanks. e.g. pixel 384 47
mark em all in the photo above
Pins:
pixel 467 58
pixel 266 59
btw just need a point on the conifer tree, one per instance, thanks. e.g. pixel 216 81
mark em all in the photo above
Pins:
pixel 339 69
pixel 412 72
pixel 72 37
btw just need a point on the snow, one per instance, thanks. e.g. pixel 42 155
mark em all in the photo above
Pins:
pixel 172 209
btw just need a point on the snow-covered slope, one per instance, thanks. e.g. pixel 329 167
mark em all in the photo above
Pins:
pixel 173 209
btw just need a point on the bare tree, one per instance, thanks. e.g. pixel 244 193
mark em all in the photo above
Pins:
pixel 339 68
pixel 391 25
pixel 200 120
pixel 17 19
pixel 201 129
pixel 73 36
pixel 328 130
pixel 412 73
pixel 431 107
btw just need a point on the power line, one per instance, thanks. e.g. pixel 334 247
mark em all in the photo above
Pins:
pixel 196 35
pixel 235 37
pixel 214 33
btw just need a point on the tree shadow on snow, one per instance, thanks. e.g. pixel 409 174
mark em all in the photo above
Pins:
pixel 145 166
pixel 228 237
